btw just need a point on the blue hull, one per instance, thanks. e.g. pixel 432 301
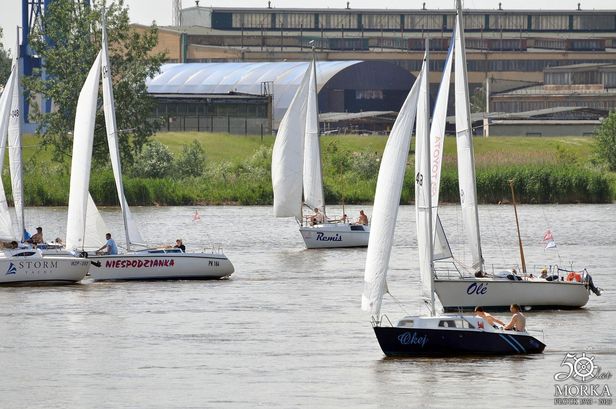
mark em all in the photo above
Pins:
pixel 446 342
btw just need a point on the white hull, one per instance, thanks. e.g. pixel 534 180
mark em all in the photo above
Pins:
pixel 469 293
pixel 161 266
pixel 335 235
pixel 39 269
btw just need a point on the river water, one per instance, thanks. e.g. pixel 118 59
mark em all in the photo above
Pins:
pixel 287 330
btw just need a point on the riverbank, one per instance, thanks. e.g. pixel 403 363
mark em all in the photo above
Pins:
pixel 236 170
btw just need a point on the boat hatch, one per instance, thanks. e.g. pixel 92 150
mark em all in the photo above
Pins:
pixel 454 324
pixel 406 323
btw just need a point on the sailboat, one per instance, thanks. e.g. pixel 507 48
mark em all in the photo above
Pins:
pixel 465 290
pixel 19 265
pixel 145 264
pixel 431 335
pixel 296 168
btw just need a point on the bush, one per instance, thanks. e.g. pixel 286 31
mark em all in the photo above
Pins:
pixel 191 161
pixel 605 138
pixel 154 161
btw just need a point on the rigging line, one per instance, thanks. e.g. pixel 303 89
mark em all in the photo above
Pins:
pixel 398 302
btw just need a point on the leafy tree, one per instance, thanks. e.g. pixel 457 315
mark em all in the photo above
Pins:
pixel 5 63
pixel 154 161
pixel 68 44
pixel 605 137
pixel 478 99
pixel 191 160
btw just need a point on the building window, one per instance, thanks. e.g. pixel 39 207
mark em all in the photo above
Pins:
pixel 368 94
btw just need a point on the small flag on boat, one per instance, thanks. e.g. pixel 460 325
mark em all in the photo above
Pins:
pixel 196 217
pixel 549 238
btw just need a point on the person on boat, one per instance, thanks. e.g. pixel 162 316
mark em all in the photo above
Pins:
pixel 37 238
pixel 317 217
pixel 492 320
pixel 518 320
pixel 363 219
pixel 344 218
pixel 180 245
pixel 544 273
pixel 109 247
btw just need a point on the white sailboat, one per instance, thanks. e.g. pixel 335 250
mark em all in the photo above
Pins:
pixel 24 265
pixel 296 168
pixel 84 219
pixel 421 335
pixel 465 290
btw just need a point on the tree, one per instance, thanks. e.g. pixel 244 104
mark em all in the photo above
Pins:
pixel 478 100
pixel 605 138
pixel 68 44
pixel 5 63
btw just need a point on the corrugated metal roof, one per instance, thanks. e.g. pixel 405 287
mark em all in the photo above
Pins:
pixel 246 78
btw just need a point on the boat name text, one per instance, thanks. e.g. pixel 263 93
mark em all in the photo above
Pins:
pixel 322 237
pixel 409 338
pixel 139 263
pixel 479 289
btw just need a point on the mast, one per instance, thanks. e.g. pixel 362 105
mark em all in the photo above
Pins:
pixel 517 223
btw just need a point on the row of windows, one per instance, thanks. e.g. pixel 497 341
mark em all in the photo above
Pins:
pixel 172 108
pixel 497 65
pixel 413 22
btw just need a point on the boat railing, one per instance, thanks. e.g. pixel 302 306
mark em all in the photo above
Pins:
pixel 377 321
pixel 215 248
pixel 536 331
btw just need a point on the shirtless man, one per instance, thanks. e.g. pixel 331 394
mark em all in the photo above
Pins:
pixel 363 219
pixel 479 312
pixel 518 320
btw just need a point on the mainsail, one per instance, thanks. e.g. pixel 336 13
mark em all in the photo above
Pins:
pixel 423 194
pixel 441 248
pixel 288 155
pixel 6 225
pixel 464 138
pixel 15 160
pixel 83 136
pixel 313 180
pixel 386 202
pixel 130 226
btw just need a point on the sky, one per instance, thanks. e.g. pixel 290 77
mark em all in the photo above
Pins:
pixel 146 11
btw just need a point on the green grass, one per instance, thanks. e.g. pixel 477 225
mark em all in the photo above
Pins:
pixel 547 170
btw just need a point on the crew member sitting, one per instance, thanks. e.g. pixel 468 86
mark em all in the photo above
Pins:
pixel 180 245
pixel 37 238
pixel 317 217
pixel 518 320
pixel 479 312
pixel 109 247
pixel 363 219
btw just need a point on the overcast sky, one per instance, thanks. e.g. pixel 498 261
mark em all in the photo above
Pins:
pixel 146 11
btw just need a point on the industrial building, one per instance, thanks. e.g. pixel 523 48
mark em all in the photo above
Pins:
pixel 251 98
pixel 572 100
pixel 505 45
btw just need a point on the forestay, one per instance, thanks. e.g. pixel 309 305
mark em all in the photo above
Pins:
pixel 130 226
pixel 313 180
pixel 288 155
pixel 83 136
pixel 386 203
pixel 466 159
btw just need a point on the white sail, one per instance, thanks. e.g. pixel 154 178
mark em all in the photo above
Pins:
pixel 95 227
pixel 423 194
pixel 441 248
pixel 130 226
pixel 6 224
pixel 15 159
pixel 313 180
pixel 386 203
pixel 464 138
pixel 83 137
pixel 288 155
